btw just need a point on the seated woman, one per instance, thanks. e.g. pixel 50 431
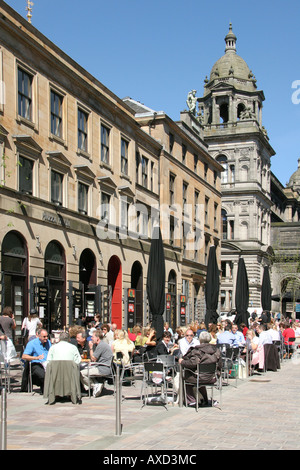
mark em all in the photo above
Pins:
pixel 204 353
pixel 124 345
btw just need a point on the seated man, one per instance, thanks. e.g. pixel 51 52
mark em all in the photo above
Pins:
pixel 187 342
pixel 239 337
pixel 204 353
pixel 83 344
pixel 163 346
pixel 99 352
pixel 227 337
pixel 64 350
pixel 264 335
pixel 36 352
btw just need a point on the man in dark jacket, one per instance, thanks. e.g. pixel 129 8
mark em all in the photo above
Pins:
pixel 204 353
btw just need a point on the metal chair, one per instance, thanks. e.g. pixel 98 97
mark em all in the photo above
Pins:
pixel 169 363
pixel 5 372
pixel 230 357
pixel 205 375
pixel 154 377
pixel 102 378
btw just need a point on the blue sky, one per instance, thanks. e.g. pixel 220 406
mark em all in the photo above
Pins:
pixel 156 52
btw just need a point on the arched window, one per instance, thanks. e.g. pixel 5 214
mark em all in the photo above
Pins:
pixel 244 173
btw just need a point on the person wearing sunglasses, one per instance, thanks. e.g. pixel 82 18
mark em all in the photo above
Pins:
pixel 188 341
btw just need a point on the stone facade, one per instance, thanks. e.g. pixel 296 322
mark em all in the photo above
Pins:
pixel 81 183
pixel 230 112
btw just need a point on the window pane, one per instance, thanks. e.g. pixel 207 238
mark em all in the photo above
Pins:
pixel 82 198
pixel 56 187
pixel 104 144
pixel 56 114
pixel 24 94
pixel 82 130
pixel 25 175
pixel 124 157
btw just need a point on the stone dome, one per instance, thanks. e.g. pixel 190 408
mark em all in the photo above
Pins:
pixel 232 66
pixel 294 181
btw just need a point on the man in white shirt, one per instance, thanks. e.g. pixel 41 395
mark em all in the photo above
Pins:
pixel 64 351
pixel 188 341
pixel 264 336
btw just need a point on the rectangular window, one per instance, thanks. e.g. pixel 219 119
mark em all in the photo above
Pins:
pixel 184 193
pixel 145 172
pixel 56 187
pixel 83 198
pixel 137 167
pixel 105 144
pixel 172 189
pixel 25 175
pixel 171 143
pixel 25 94
pixel 197 211
pixel 124 157
pixel 82 130
pixel 56 114
pixel 152 178
pixel 195 163
pixel 124 214
pixel 216 216
pixel 105 207
pixel 206 211
pixel 205 171
pixel 183 154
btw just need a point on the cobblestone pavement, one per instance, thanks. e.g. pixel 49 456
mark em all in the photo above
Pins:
pixel 260 413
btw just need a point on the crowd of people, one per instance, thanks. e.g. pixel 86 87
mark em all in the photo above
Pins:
pixel 100 344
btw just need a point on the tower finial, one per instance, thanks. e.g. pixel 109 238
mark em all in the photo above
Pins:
pixel 29 10
pixel 230 40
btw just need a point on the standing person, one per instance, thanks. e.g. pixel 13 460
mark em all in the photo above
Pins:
pixel 31 323
pixel 36 352
pixel 7 322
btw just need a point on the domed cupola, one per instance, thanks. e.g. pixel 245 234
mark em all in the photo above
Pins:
pixel 294 181
pixel 232 67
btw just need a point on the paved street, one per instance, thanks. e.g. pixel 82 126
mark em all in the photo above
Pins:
pixel 262 413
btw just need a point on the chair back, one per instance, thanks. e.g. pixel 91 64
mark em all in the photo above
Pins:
pixel 166 360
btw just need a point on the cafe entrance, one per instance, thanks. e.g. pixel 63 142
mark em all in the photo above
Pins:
pixel 137 284
pixel 55 274
pixel 14 280
pixel 115 287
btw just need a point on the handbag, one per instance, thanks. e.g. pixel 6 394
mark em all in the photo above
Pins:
pixel 24 331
